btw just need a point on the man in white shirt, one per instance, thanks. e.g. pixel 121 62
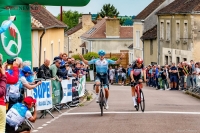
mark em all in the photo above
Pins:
pixel 15 117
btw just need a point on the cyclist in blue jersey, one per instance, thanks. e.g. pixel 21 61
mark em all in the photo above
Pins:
pixel 101 69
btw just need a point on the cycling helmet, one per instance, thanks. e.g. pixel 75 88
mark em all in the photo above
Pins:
pixel 139 61
pixel 101 52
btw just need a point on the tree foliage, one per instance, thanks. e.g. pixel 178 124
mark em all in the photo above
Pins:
pixel 70 18
pixel 109 11
pixel 87 56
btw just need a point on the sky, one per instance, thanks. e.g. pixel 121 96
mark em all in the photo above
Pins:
pixel 125 7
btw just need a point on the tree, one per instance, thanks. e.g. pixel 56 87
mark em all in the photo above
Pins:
pixel 109 11
pixel 70 18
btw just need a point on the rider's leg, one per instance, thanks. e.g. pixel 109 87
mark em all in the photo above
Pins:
pixel 97 82
pixel 105 82
pixel 133 94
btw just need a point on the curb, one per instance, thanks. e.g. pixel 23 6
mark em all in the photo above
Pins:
pixel 192 94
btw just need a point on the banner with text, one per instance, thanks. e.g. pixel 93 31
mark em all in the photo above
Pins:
pixel 81 86
pixel 67 90
pixel 42 94
pixel 56 91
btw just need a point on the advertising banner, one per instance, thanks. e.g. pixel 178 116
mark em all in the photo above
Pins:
pixel 81 86
pixel 16 40
pixel 67 90
pixel 42 94
pixel 56 92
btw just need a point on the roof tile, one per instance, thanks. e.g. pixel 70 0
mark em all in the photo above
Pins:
pixel 150 34
pixel 181 6
pixel 149 9
pixel 46 18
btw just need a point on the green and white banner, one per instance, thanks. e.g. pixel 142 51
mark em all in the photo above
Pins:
pixel 81 86
pixel 16 41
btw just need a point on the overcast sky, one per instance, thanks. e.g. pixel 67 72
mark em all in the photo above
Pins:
pixel 125 7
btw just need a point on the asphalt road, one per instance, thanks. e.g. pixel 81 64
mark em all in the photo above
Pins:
pixel 166 112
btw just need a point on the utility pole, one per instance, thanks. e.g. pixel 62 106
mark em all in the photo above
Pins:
pixel 60 13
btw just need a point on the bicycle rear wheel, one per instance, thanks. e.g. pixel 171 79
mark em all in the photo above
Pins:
pixel 101 102
pixel 142 103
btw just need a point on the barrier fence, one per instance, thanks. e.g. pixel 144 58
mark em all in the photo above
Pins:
pixel 52 93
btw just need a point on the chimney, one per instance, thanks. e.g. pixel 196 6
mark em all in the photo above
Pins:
pixel 86 19
pixel 112 28
pixel 80 20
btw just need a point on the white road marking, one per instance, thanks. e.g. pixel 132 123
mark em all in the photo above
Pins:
pixel 139 112
pixel 44 124
pixel 39 127
pixel 34 131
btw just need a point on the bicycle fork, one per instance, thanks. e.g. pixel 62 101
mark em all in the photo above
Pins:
pixel 138 94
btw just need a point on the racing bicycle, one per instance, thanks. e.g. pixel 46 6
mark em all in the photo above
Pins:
pixel 140 97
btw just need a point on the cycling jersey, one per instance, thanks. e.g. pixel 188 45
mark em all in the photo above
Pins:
pixel 101 66
pixel 137 71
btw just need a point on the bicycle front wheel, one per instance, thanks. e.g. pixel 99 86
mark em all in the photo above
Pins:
pixel 142 103
pixel 101 102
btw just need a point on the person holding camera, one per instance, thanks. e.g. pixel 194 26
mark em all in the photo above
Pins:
pixel 13 65
pixel 16 116
pixel 26 71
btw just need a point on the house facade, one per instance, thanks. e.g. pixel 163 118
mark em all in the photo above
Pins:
pixel 143 22
pixel 47 36
pixel 72 36
pixel 109 35
pixel 178 36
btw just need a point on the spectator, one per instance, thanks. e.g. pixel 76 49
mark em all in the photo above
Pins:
pixel 120 74
pixel 181 76
pixel 15 117
pixel 173 77
pixel 44 71
pixel 3 81
pixel 12 77
pixel 129 69
pixel 116 74
pixel 111 74
pixel 54 69
pixel 26 71
pixel 123 76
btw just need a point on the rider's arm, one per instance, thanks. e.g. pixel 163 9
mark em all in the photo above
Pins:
pixel 118 61
pixel 144 74
pixel 85 61
pixel 132 78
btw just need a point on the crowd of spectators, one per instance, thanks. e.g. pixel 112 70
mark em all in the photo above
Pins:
pixel 183 76
pixel 16 76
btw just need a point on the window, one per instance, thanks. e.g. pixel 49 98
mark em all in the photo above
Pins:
pixel 177 30
pixel 59 46
pixel 151 47
pixel 168 31
pixel 166 59
pixel 91 31
pixel 162 30
pixel 137 39
pixel 177 60
pixel 184 59
pixel 44 55
pixel 170 60
pixel 52 50
pixel 185 36
pixel 83 51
